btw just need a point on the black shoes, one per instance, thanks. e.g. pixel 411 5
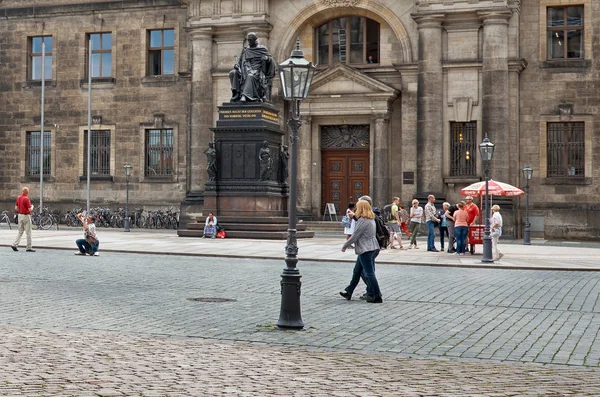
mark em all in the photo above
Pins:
pixel 346 295
pixel 30 250
pixel 451 250
pixel 433 250
pixel 14 248
pixel 374 299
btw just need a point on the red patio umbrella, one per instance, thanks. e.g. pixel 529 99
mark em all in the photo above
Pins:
pixel 495 188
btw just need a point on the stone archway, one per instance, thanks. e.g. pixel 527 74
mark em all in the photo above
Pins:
pixel 318 13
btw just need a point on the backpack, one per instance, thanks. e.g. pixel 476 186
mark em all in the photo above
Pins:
pixel 387 213
pixel 381 233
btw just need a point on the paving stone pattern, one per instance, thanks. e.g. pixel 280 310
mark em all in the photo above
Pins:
pixel 124 304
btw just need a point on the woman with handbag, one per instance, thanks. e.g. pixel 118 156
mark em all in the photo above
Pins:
pixel 367 249
pixel 210 226
pixel 88 245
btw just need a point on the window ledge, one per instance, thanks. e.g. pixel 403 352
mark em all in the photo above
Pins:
pixel 36 178
pixel 566 181
pixel 99 82
pixel 38 83
pixel 159 80
pixel 159 179
pixel 461 180
pixel 566 65
pixel 97 178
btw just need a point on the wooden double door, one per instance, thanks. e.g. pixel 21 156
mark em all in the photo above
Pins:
pixel 345 177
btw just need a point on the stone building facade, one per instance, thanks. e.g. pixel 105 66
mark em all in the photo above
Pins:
pixel 404 93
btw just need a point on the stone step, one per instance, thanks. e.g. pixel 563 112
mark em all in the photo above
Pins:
pixel 249 227
pixel 259 235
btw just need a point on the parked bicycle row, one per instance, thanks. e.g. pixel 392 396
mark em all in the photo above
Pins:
pixel 105 217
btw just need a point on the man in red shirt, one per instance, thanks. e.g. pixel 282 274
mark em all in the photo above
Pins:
pixel 23 207
pixel 473 212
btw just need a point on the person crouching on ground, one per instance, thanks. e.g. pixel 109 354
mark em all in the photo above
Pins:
pixel 89 243
pixel 210 226
pixel 367 249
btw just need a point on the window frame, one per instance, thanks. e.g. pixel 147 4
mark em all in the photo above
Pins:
pixel 146 153
pixel 565 29
pixel 365 43
pixel 101 52
pixel 107 167
pixel 28 153
pixel 565 152
pixel 455 149
pixel 31 55
pixel 162 49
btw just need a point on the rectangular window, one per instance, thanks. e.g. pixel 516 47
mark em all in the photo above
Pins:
pixel 463 148
pixel 32 155
pixel 99 153
pixel 565 32
pixel 159 153
pixel 161 52
pixel 35 58
pixel 350 40
pixel 101 47
pixel 566 149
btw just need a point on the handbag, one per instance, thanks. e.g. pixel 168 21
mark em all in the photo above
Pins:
pixel 221 234
pixel 346 221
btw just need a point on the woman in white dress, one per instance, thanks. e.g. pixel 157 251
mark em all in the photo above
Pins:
pixel 348 231
pixel 496 232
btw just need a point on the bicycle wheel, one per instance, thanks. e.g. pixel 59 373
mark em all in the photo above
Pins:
pixel 141 221
pixel 46 222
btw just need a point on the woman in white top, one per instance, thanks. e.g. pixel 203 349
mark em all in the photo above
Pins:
pixel 348 231
pixel 416 214
pixel 496 232
pixel 210 226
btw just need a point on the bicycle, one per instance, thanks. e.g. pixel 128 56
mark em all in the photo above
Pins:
pixel 5 218
pixel 43 220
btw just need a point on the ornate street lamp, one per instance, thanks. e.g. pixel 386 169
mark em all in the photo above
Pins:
pixel 127 167
pixel 527 174
pixel 296 75
pixel 486 150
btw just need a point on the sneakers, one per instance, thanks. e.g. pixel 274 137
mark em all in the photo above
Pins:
pixel 14 248
pixel 80 253
pixel 346 295
pixel 96 254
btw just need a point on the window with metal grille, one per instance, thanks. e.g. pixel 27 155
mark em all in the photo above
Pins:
pixel 565 32
pixel 32 163
pixel 566 149
pixel 99 153
pixel 161 52
pixel 463 148
pixel 159 153
pixel 35 58
pixel 101 54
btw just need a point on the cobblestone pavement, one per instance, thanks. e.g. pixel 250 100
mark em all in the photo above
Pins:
pixel 98 325
pixel 82 364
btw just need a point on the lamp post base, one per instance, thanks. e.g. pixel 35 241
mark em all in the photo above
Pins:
pixel 527 237
pixel 290 315
pixel 487 250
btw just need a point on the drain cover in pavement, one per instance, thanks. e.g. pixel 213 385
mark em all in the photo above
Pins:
pixel 211 300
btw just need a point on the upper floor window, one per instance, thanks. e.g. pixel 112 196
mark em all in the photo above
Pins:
pixel 350 40
pixel 159 152
pixel 33 153
pixel 101 48
pixel 99 153
pixel 463 148
pixel 565 32
pixel 35 58
pixel 161 52
pixel 566 149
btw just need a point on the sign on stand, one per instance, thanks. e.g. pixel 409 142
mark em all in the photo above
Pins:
pixel 330 210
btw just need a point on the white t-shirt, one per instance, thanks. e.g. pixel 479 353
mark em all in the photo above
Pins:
pixel 417 211
pixel 497 219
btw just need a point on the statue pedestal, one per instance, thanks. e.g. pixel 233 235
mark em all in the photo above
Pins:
pixel 246 206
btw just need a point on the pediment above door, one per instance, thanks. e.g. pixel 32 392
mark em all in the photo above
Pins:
pixel 340 79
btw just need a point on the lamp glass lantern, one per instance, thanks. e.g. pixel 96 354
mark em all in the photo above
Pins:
pixel 296 75
pixel 527 172
pixel 127 167
pixel 486 149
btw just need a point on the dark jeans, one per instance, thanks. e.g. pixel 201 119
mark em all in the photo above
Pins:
pixel 444 231
pixel 430 235
pixel 461 238
pixel 365 268
pixel 86 247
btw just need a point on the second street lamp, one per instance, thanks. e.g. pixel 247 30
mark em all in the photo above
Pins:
pixel 486 150
pixel 296 76
pixel 527 174
pixel 127 167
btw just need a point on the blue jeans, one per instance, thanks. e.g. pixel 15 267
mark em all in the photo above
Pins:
pixel 430 235
pixel 86 247
pixel 365 268
pixel 461 238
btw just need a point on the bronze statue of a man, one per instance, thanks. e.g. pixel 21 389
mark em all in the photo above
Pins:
pixel 252 75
